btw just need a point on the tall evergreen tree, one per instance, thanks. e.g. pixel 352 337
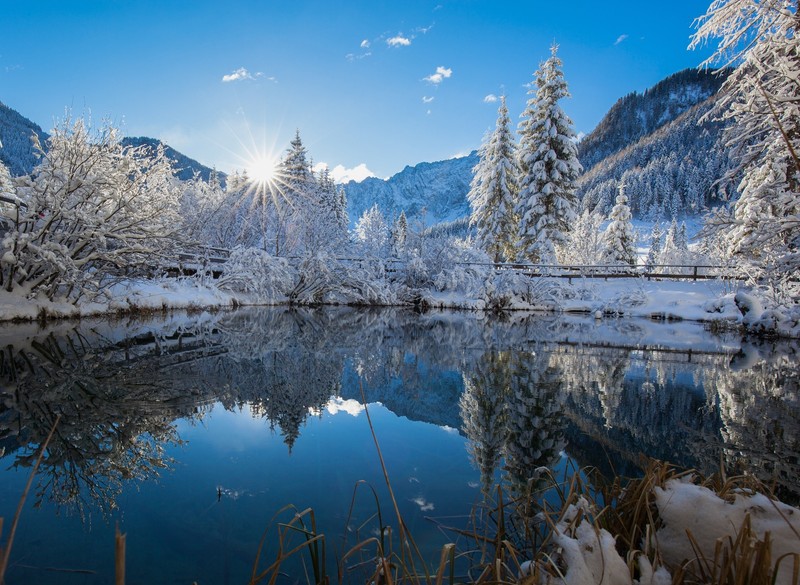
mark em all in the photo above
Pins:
pixel 400 233
pixel 619 238
pixel 762 96
pixel 655 248
pixel 548 161
pixel 493 191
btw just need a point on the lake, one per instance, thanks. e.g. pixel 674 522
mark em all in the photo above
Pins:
pixel 190 432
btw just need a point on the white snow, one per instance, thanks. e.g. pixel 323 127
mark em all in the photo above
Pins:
pixel 684 507
pixel 590 555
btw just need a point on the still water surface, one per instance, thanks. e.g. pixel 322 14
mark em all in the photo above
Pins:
pixel 191 432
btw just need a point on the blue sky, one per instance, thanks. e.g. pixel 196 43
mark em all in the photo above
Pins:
pixel 374 83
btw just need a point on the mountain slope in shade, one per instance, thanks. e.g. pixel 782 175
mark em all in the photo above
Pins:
pixel 637 115
pixel 434 192
pixel 18 155
pixel 15 134
pixel 185 167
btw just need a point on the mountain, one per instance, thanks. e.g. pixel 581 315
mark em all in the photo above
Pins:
pixel 435 192
pixel 18 155
pixel 185 167
pixel 670 158
pixel 15 134
pixel 672 171
pixel 638 114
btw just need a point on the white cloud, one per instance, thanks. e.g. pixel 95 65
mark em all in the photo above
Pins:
pixel 350 406
pixel 441 73
pixel 427 99
pixel 620 38
pixel 342 175
pixel 423 504
pixel 490 99
pixel 242 73
pixel 398 41
pixel 365 44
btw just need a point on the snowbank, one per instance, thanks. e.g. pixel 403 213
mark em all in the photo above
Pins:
pixel 590 554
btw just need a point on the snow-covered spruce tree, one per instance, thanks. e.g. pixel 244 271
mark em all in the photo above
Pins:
pixel 548 162
pixel 400 234
pixel 292 197
pixel 675 250
pixel 322 219
pixel 8 195
pixel 762 96
pixel 92 208
pixel 655 248
pixel 493 191
pixel 619 238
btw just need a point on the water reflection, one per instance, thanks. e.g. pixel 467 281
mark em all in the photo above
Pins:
pixel 521 389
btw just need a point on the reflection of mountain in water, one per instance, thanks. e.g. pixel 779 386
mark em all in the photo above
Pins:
pixel 520 388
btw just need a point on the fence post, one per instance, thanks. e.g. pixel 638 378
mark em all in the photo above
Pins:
pixel 695 274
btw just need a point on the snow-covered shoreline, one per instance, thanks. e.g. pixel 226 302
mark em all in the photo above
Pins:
pixel 710 302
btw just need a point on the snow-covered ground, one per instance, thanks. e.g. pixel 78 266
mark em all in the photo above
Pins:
pixel 684 509
pixel 703 301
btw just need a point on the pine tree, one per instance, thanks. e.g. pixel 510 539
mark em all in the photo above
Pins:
pixel 400 233
pixel 493 191
pixel 6 186
pixel 548 161
pixel 655 248
pixel 619 237
pixel 681 238
pixel 762 96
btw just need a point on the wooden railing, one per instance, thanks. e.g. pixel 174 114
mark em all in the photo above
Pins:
pixel 211 259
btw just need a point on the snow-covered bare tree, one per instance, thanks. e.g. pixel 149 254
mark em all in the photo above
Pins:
pixel 91 208
pixel 372 232
pixel 493 191
pixel 584 244
pixel 762 96
pixel 548 161
pixel 619 237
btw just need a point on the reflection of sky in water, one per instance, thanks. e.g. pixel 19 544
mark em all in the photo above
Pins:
pixel 202 520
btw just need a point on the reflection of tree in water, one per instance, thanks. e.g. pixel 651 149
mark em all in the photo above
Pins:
pixel 759 405
pixel 115 422
pixel 120 395
pixel 483 413
pixel 535 420
pixel 121 391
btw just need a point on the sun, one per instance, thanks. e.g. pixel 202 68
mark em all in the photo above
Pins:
pixel 262 171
